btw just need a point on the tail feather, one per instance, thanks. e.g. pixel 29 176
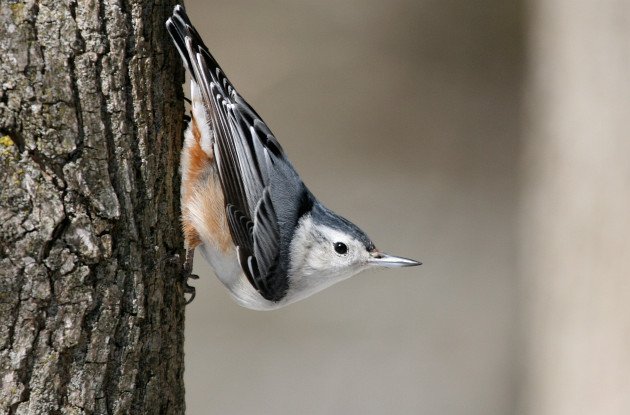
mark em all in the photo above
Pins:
pixel 203 68
pixel 190 46
pixel 180 27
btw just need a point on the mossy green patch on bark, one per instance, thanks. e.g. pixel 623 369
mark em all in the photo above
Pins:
pixel 6 141
pixel 17 8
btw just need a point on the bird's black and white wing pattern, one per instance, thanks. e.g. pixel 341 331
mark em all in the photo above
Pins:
pixel 259 184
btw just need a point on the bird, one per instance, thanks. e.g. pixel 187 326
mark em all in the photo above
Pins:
pixel 269 240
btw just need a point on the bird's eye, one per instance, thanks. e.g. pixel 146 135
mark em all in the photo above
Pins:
pixel 341 248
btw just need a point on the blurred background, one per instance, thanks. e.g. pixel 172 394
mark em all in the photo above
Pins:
pixel 488 139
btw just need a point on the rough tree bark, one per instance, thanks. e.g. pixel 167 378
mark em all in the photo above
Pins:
pixel 91 310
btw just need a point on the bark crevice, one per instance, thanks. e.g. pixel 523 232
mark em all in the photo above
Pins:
pixel 92 314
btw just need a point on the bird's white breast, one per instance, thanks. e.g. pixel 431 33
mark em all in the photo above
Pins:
pixel 229 272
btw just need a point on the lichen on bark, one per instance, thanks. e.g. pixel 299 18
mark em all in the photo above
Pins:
pixel 91 307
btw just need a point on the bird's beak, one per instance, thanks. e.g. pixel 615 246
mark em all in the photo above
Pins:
pixel 383 260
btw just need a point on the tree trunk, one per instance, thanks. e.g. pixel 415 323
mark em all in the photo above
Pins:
pixel 91 309
pixel 576 258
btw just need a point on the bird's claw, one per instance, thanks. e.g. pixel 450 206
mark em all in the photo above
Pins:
pixel 188 275
pixel 189 289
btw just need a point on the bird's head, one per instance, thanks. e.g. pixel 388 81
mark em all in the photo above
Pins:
pixel 327 248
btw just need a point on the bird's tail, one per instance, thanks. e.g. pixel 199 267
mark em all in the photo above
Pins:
pixel 180 28
pixel 194 53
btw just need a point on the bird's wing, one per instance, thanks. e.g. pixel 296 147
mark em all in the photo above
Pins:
pixel 248 158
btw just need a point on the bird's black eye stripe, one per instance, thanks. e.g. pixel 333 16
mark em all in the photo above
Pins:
pixel 341 248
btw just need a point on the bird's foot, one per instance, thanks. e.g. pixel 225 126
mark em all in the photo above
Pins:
pixel 188 275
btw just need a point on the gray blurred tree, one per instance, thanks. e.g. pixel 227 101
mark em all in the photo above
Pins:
pixel 91 312
pixel 576 209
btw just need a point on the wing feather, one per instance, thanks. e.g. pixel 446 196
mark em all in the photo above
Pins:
pixel 248 159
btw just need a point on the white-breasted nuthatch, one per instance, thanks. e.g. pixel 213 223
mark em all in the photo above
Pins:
pixel 267 237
